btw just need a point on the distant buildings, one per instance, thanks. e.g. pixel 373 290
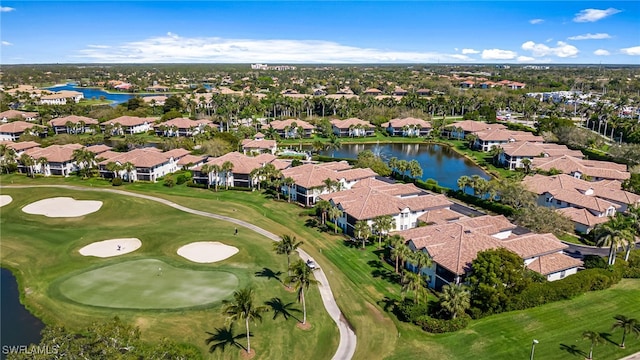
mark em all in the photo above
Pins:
pixel 272 67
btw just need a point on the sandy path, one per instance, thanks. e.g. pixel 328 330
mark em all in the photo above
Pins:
pixel 60 207
pixel 206 251
pixel 5 200
pixel 109 248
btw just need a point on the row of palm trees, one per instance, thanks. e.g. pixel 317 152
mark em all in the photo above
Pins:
pixel 628 326
pixel 214 172
pixel 401 167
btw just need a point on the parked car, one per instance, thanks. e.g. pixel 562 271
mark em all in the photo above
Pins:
pixel 312 264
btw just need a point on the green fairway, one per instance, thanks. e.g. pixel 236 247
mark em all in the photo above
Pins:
pixel 148 284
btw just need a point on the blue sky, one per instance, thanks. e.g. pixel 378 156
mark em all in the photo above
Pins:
pixel 320 32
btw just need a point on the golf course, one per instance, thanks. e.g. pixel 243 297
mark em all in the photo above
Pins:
pixel 183 300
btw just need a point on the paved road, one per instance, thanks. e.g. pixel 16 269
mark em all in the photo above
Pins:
pixel 347 345
pixel 579 251
pixel 635 356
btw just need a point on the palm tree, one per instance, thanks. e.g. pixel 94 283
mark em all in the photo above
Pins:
pixel 614 233
pixel 302 279
pixel 86 160
pixel 463 182
pixel 7 156
pixel 595 339
pixel 28 163
pixel 335 214
pixel 421 259
pixel 362 231
pixel 227 168
pixel 627 325
pixel 412 282
pixel 333 144
pixel 396 242
pixel 288 182
pixel 382 225
pixel 115 168
pixel 129 168
pixel 393 164
pixel 415 170
pixel 287 246
pixel 206 169
pixel 242 307
pixel 42 161
pixel 526 163
pixel 455 299
pixel 323 206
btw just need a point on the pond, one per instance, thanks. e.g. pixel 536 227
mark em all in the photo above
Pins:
pixel 438 162
pixel 90 93
pixel 18 326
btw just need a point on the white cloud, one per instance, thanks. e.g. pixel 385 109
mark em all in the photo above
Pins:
pixel 6 43
pixel 562 49
pixel 498 54
pixel 635 50
pixel 525 59
pixel 536 21
pixel 6 9
pixel 470 51
pixel 592 15
pixel 174 48
pixel 601 52
pixel 590 36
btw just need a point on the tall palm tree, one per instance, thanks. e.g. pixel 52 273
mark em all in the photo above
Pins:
pixel 413 282
pixel 415 170
pixel 323 206
pixel 115 168
pixel 42 161
pixel 28 162
pixel 287 246
pixel 301 278
pixel 463 182
pixel 288 182
pixel 396 242
pixel 614 233
pixel 129 168
pixel 362 231
pixel 335 214
pixel 421 259
pixel 333 144
pixel 393 164
pixel 206 169
pixel 455 299
pixel 243 307
pixel 628 325
pixel 382 225
pixel 227 168
pixel 595 339
pixel 7 157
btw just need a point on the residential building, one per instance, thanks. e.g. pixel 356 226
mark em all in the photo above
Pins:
pixel 128 125
pixel 5 116
pixel 460 129
pixel 181 127
pixel 259 145
pixel 591 170
pixel 13 130
pixel 291 128
pixel 352 127
pixel 72 124
pixel 513 153
pixel 407 127
pixel 61 97
pixel 240 175
pixel 58 159
pixel 149 164
pixel 373 92
pixel 486 140
pixel 20 147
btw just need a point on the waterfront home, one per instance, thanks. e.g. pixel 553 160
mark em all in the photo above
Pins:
pixel 580 168
pixel 486 140
pixel 513 153
pixel 5 116
pixel 561 191
pixel 61 97
pixel 259 145
pixel 371 198
pixel 460 129
pixel 128 125
pixel 147 164
pixel 240 174
pixel 52 160
pixel 310 180
pixel 72 124
pixel 291 128
pixel 352 127
pixel 453 246
pixel 407 127
pixel 181 127
pixel 13 130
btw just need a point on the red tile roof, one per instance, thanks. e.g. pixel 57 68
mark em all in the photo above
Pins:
pixel 74 119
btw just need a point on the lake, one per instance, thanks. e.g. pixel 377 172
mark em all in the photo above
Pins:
pixel 90 93
pixel 438 162
pixel 18 326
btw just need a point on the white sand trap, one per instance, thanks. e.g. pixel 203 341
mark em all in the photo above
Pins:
pixel 109 248
pixel 206 251
pixel 60 207
pixel 5 199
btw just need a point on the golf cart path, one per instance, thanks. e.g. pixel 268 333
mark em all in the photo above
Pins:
pixel 347 344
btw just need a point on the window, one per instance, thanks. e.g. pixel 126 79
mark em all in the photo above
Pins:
pixel 558 202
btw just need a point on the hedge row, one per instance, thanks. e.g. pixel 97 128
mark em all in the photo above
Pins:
pixel 438 326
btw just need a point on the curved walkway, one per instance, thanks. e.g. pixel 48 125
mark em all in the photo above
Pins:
pixel 347 344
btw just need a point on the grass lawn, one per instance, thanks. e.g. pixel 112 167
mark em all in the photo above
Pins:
pixel 148 284
pixel 43 254
pixel 364 285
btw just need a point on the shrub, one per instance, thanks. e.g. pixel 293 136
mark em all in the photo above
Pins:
pixel 594 262
pixel 168 181
pixel 332 227
pixel 181 179
pixel 633 268
pixel 409 311
pixel 438 326
pixel 116 181
pixel 196 185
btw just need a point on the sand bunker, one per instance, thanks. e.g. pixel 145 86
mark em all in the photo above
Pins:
pixel 109 248
pixel 206 251
pixel 5 199
pixel 59 207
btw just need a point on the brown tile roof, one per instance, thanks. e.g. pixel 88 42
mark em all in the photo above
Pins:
pixel 552 263
pixel 475 126
pixel 282 124
pixel 346 123
pixel 536 149
pixel 190 159
pixel 531 245
pixel 142 158
pixel 20 146
pixel 311 175
pixel 508 135
pixel 55 153
pixel 408 121
pixel 441 216
pixel 339 96
pixel 582 216
pixel 14 114
pixel 258 144
pixel 98 149
pixel 180 123
pixel 242 164
pixel 569 164
pixel 176 153
pixel 15 127
pixel 373 91
pixel 129 121
pixel 73 119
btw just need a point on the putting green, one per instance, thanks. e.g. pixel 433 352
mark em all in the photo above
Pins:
pixel 148 284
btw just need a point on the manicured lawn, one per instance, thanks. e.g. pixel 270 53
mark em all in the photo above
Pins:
pixel 364 285
pixel 43 253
